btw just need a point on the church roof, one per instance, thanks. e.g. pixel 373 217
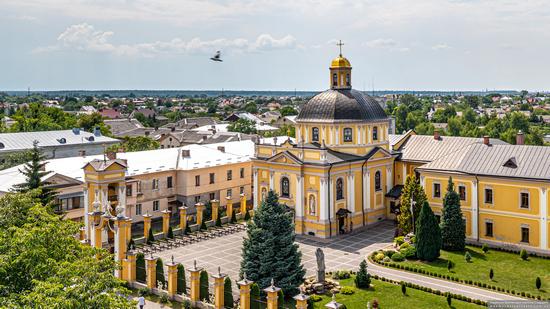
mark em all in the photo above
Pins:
pixel 340 62
pixel 343 105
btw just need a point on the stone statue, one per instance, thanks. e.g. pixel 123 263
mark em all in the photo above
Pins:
pixel 320 255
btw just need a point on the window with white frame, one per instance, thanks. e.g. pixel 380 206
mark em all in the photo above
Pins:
pixel 156 205
pixel 437 190
pixel 524 200
pixel 525 234
pixel 155 184
pixel 488 196
pixel 462 192
pixel 138 209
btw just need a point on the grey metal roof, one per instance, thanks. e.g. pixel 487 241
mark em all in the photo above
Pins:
pixel 341 106
pixel 533 162
pixel 425 148
pixel 24 140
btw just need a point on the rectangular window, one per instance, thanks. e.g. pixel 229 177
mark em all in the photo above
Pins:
pixel 212 178
pixel 138 187
pixel 525 235
pixel 462 192
pixel 488 196
pixel 489 229
pixel 128 190
pixel 197 180
pixel 229 192
pixel 437 190
pixel 197 199
pixel 155 184
pixel 524 200
pixel 229 174
pixel 138 209
pixel 212 196
pixel 156 205
pixel 169 182
pixel 348 135
pixel 241 190
pixel 242 172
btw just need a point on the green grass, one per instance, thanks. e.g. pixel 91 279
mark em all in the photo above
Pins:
pixel 389 296
pixel 510 271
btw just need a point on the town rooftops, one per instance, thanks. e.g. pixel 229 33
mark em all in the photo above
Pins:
pixel 516 161
pixel 24 140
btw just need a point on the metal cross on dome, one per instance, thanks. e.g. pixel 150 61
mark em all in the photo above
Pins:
pixel 340 44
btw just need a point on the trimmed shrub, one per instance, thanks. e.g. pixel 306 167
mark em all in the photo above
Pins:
pixel 409 253
pixel 280 298
pixel 397 257
pixel 405 245
pixel 399 240
pixel 140 267
pixel 523 254
pixel 491 274
pixel 389 253
pixel 247 216
pixel 233 217
pixel 538 283
pixel 347 290
pixel 228 293
pixel 150 237
pixel 485 248
pixel 468 257
pixel 160 273
pixel 379 256
pixel 449 300
pixel 341 274
pixel 450 265
pixel 163 299
pixel 181 287
pixel 386 259
pixel 362 279
pixel 203 289
pixel 403 288
pixel 203 226
pixel 187 230
pixel 254 296
pixel 170 233
pixel 218 221
pixel 315 298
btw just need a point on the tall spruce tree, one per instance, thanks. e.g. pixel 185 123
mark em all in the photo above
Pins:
pixel 269 251
pixel 228 293
pixel 453 228
pixel 412 190
pixel 428 235
pixel 34 170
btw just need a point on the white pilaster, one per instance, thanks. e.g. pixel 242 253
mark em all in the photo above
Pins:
pixel 369 135
pixel 404 173
pixel 359 135
pixel 323 135
pixel 122 198
pixel 256 191
pixel 337 134
pixel 272 181
pixel 351 203
pixel 332 197
pixel 306 134
pixel 323 205
pixel 86 211
pixel 367 189
pixel 475 211
pixel 423 182
pixel 543 219
pixel 299 198
pixel 389 179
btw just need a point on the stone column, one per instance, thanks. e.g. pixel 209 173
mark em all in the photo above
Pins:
pixel 244 291
pixel 165 222
pixel 272 295
pixel 151 271
pixel 130 264
pixel 183 218
pixel 194 274
pixel 215 209
pixel 229 206
pixel 543 201
pixel 146 224
pixel 475 211
pixel 172 277
pixel 200 208
pixel 257 193
pixel 219 289
pixel 243 204
pixel 301 300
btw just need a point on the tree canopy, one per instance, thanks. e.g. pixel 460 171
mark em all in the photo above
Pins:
pixel 453 228
pixel 428 234
pixel 412 191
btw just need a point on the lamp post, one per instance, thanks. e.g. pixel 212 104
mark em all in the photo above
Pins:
pixel 413 203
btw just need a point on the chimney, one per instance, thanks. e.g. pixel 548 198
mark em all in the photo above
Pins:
pixel 76 131
pixel 186 153
pixel 111 155
pixel 436 135
pixel 221 148
pixel 520 138
pixel 97 131
pixel 486 140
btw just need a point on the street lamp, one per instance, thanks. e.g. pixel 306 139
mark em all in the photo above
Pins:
pixel 413 202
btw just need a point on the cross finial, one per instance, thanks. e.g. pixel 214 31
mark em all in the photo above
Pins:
pixel 340 44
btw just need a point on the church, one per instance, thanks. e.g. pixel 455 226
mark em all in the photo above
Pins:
pixel 336 174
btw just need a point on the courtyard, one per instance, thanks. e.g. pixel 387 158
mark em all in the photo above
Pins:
pixel 344 252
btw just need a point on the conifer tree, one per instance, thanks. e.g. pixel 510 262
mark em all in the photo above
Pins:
pixel 269 251
pixel 33 171
pixel 182 283
pixel 453 228
pixel 254 296
pixel 362 279
pixel 428 235
pixel 160 273
pixel 413 190
pixel 218 221
pixel 204 292
pixel 170 233
pixel 233 217
pixel 228 293
pixel 140 267
pixel 150 237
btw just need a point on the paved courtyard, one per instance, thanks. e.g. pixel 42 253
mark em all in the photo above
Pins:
pixel 344 252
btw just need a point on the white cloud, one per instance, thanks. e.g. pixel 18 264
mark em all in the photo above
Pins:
pixel 381 43
pixel 84 37
pixel 441 46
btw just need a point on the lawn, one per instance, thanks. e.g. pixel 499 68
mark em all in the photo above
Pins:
pixel 510 271
pixel 389 296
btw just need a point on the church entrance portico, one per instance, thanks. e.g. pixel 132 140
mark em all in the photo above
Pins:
pixel 344 222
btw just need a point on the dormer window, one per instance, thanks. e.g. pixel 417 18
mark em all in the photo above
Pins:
pixel 2 146
pixel 315 134
pixel 511 163
pixel 91 139
pixel 62 140
pixel 348 135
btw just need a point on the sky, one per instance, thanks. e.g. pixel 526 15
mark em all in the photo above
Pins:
pixel 274 44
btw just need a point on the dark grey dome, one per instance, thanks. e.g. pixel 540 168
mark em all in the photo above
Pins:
pixel 341 106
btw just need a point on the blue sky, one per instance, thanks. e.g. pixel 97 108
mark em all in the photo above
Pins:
pixel 273 44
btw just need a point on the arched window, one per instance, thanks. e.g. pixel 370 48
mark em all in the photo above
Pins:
pixel 339 189
pixel 377 184
pixel 348 135
pixel 348 80
pixel 335 79
pixel 312 205
pixel 375 133
pixel 315 134
pixel 285 187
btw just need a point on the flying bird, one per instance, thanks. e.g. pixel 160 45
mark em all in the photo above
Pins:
pixel 217 57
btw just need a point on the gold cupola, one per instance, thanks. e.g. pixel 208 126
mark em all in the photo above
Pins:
pixel 340 71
